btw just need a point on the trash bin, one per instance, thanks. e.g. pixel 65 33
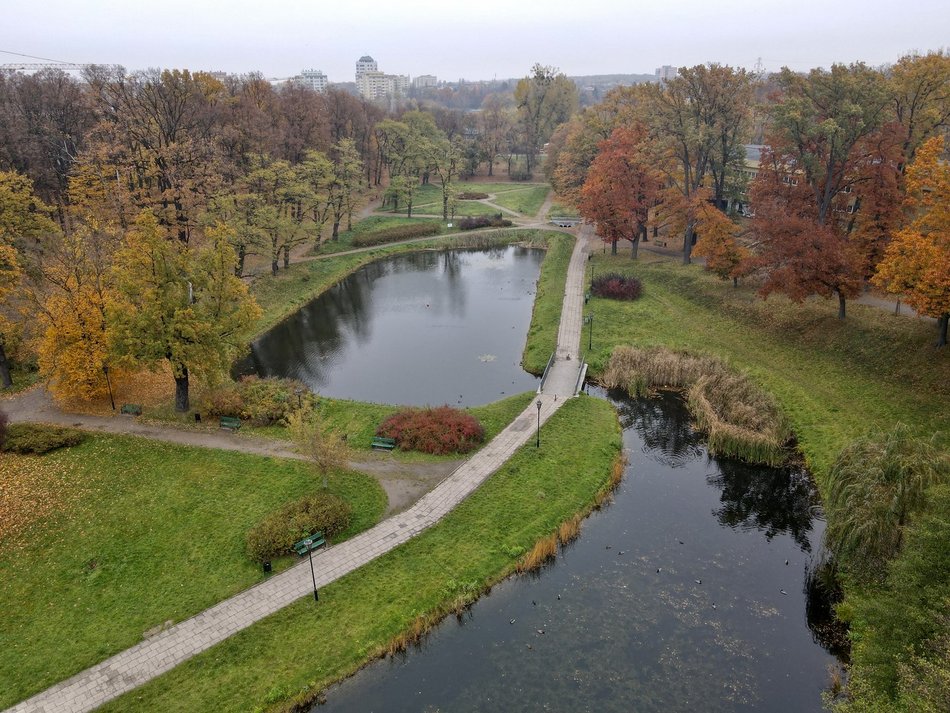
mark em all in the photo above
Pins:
pixel 266 567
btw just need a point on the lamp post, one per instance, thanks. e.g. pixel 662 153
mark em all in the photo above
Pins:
pixel 105 370
pixel 538 443
pixel 309 544
pixel 590 331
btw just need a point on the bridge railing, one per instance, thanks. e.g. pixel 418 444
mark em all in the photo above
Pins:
pixel 544 376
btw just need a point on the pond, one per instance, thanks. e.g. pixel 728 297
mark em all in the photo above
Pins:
pixel 422 328
pixel 690 592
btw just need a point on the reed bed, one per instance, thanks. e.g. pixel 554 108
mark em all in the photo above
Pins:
pixel 740 419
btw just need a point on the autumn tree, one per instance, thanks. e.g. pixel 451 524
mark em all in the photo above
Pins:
pixel 24 222
pixel 698 123
pixel 494 122
pixel 920 96
pixel 821 149
pixel 75 281
pixel 544 99
pixel 324 449
pixel 916 264
pixel 178 304
pixel 621 188
pixel 343 184
pixel 719 244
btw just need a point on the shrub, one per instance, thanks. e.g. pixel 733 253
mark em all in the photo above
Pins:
pixel 39 438
pixel 472 196
pixel 433 430
pixel 615 286
pixel 398 232
pixel 261 402
pixel 484 221
pixel 275 534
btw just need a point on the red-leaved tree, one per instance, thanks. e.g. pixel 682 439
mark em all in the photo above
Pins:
pixel 621 188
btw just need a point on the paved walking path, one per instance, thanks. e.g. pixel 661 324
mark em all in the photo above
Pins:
pixel 151 658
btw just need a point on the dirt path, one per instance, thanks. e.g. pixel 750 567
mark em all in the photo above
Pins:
pixel 404 482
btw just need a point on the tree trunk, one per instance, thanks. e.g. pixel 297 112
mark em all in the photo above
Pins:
pixel 688 244
pixel 841 306
pixel 735 281
pixel 336 229
pixel 409 208
pixel 6 382
pixel 491 165
pixel 239 268
pixel 634 244
pixel 942 321
pixel 286 256
pixel 613 247
pixel 274 266
pixel 445 206
pixel 181 391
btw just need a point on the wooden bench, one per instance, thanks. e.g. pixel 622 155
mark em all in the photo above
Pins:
pixel 230 422
pixel 132 409
pixel 383 444
pixel 316 540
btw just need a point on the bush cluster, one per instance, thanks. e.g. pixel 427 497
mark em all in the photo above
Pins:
pixel 472 196
pixel 615 286
pixel 275 534
pixel 484 221
pixel 38 438
pixel 398 232
pixel 433 430
pixel 261 402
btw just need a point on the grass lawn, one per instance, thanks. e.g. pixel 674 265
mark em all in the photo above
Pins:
pixel 370 225
pixel 563 210
pixel 835 379
pixel 305 647
pixel 527 201
pixel 22 377
pixel 542 334
pixel 106 540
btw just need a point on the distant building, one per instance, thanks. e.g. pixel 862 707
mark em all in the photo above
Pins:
pixel 665 73
pixel 425 80
pixel 365 64
pixel 312 79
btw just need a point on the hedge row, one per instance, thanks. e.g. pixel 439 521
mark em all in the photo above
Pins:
pixel 484 221
pixel 399 232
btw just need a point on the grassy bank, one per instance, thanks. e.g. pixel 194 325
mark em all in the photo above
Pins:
pixel 304 647
pixel 527 201
pixel 546 316
pixel 835 380
pixel 106 540
pixel 371 225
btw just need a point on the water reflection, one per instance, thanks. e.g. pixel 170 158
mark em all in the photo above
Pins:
pixel 687 593
pixel 423 328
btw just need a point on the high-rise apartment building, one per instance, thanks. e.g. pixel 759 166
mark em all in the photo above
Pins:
pixel 312 79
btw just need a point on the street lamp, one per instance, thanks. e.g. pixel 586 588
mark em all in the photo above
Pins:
pixel 105 370
pixel 309 544
pixel 538 444
pixel 590 331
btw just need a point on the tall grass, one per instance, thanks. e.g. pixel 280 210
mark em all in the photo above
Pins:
pixel 739 418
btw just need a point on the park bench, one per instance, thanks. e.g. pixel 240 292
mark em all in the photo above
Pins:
pixel 230 422
pixel 132 409
pixel 316 540
pixel 383 444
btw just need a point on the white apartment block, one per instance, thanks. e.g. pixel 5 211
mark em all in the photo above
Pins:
pixel 365 64
pixel 312 79
pixel 665 73
pixel 425 80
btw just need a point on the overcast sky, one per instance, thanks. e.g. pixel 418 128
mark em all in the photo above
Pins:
pixel 474 39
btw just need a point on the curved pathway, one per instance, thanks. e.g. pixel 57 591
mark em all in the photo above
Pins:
pixel 151 658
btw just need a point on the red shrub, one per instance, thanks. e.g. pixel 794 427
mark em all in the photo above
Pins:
pixel 433 430
pixel 615 286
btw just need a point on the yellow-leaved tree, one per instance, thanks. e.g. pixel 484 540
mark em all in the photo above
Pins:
pixel 916 263
pixel 24 220
pixel 73 346
pixel 178 303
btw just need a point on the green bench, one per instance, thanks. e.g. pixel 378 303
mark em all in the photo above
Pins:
pixel 132 409
pixel 383 444
pixel 316 540
pixel 230 422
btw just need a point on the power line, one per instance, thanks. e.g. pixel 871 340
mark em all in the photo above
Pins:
pixel 32 56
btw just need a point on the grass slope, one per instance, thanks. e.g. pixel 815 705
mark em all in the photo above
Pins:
pixel 527 201
pixel 307 646
pixel 546 316
pixel 129 534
